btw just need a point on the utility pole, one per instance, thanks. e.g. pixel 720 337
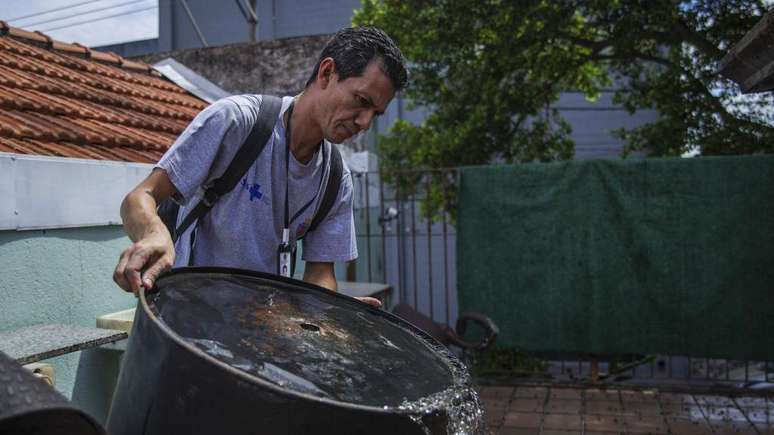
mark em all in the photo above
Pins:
pixel 253 24
pixel 247 7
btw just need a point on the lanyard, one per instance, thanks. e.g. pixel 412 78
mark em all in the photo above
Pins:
pixel 285 249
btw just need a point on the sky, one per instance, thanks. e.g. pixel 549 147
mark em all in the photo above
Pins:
pixel 92 23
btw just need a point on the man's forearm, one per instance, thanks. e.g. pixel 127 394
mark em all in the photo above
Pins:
pixel 321 274
pixel 138 212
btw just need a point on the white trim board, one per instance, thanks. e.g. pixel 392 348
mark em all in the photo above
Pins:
pixel 38 192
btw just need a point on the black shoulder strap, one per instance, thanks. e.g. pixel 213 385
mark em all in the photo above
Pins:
pixel 249 151
pixel 331 189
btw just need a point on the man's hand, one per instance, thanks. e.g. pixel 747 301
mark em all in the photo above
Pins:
pixel 371 301
pixel 152 251
pixel 141 263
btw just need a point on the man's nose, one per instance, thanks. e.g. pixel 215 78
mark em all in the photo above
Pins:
pixel 364 119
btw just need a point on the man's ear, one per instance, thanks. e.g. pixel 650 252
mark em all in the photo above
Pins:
pixel 327 72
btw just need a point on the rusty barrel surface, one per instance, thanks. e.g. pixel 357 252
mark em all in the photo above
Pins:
pixel 216 350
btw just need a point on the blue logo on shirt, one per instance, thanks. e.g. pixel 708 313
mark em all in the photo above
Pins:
pixel 254 189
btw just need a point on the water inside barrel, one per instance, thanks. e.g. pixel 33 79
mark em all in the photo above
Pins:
pixel 303 340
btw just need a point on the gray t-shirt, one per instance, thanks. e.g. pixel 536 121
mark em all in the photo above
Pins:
pixel 244 228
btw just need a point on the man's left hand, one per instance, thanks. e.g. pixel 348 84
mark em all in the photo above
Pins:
pixel 371 301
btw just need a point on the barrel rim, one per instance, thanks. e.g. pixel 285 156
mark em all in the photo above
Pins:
pixel 435 346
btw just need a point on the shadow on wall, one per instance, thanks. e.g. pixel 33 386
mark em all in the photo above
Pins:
pixel 95 381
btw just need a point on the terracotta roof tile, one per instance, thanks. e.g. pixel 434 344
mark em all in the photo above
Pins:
pixel 8 145
pixel 72 48
pixel 26 34
pixel 65 100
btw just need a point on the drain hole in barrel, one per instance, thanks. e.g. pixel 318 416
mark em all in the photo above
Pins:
pixel 310 327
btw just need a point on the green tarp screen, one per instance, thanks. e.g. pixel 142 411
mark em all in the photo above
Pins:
pixel 671 256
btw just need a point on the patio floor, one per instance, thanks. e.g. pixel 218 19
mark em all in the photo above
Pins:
pixel 525 410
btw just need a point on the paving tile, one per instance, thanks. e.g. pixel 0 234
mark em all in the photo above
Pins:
pixel 693 412
pixel 495 411
pixel 494 420
pixel 733 428
pixel 713 400
pixel 603 423
pixel 676 398
pixel 526 405
pixel 751 402
pixel 595 394
pixel 684 426
pixel 566 393
pixel 495 392
pixel 674 408
pixel 603 407
pixel 499 408
pixel 759 415
pixel 531 392
pixel 560 432
pixel 494 402
pixel 638 396
pixel 765 428
pixel 560 406
pixel 647 424
pixel 517 431
pixel 724 413
pixel 522 419
pixel 562 421
pixel 614 411
pixel 643 408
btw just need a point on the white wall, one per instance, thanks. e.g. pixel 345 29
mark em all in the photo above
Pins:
pixel 52 192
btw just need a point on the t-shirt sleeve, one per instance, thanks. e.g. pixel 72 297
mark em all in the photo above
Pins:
pixel 334 239
pixel 211 134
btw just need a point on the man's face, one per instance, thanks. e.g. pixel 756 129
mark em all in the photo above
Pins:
pixel 350 106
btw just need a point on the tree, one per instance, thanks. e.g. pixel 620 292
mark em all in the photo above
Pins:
pixel 489 71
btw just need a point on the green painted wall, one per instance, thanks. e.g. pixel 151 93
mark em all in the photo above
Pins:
pixel 65 276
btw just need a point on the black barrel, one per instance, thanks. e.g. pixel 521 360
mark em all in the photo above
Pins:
pixel 225 351
pixel 29 406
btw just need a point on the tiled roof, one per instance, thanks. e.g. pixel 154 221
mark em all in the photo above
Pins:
pixel 66 100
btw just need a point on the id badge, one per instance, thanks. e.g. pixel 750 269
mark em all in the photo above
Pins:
pixel 284 253
pixel 284 263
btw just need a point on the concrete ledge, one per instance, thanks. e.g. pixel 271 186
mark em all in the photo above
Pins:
pixel 38 342
pixel 119 321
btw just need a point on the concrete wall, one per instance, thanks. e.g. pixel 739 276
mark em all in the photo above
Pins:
pixel 223 23
pixel 65 276
pixel 287 18
pixel 132 48
pixel 279 67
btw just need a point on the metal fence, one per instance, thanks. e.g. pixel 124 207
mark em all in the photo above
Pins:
pixel 665 370
pixel 400 244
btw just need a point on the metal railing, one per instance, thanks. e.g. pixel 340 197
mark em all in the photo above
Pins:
pixel 403 246
pixel 668 370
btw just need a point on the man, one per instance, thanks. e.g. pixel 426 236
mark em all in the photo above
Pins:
pixel 355 78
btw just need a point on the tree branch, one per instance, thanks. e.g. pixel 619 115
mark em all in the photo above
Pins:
pixel 642 56
pixel 697 40
pixel 595 46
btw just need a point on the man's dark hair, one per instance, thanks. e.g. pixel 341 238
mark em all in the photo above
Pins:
pixel 353 48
